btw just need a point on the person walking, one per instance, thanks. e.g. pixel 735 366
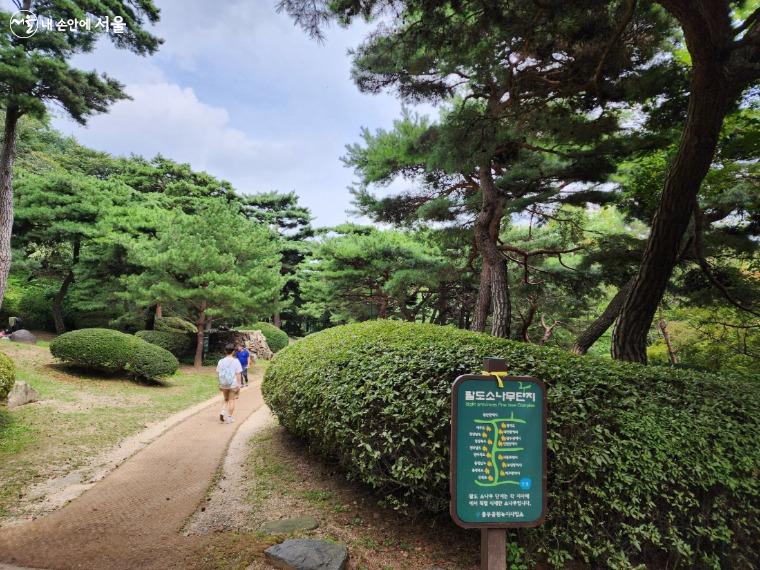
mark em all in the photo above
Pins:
pixel 246 361
pixel 229 372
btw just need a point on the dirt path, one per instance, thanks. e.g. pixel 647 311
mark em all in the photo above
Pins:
pixel 133 517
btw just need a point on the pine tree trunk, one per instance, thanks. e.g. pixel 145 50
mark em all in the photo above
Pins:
pixel 159 311
pixel 528 320
pixel 603 322
pixel 663 324
pixel 7 156
pixel 57 308
pixel 487 227
pixel 201 325
pixel 483 303
pixel 501 301
pixel 277 320
pixel 382 311
pixel 709 100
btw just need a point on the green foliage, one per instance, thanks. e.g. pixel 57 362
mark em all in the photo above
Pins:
pixel 7 376
pixel 28 299
pixel 113 351
pixel 36 70
pixel 276 339
pixel 211 264
pixel 647 466
pixel 364 273
pixel 174 324
pixel 178 343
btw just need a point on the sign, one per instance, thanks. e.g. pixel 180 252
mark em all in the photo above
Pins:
pixel 498 446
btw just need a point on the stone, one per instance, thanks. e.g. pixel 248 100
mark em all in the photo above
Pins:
pixel 286 526
pixel 303 554
pixel 23 335
pixel 257 344
pixel 254 340
pixel 22 393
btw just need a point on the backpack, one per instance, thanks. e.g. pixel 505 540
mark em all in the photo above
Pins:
pixel 227 375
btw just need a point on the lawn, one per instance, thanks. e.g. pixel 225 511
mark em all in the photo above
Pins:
pixel 80 414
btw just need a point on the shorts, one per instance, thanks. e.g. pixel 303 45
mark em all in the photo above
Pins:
pixel 230 393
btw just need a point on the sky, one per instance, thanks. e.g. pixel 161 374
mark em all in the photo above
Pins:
pixel 240 92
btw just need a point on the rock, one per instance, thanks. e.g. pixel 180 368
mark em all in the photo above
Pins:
pixel 22 393
pixel 257 344
pixel 253 340
pixel 302 554
pixel 286 526
pixel 23 335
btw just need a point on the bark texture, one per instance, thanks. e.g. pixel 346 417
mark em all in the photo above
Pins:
pixel 7 157
pixel 201 325
pixel 483 302
pixel 596 329
pixel 708 33
pixel 487 226
pixel 57 306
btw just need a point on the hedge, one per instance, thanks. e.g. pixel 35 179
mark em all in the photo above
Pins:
pixel 646 465
pixel 7 376
pixel 174 324
pixel 113 351
pixel 276 339
pixel 180 344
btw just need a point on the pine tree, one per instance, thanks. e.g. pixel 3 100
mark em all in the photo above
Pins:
pixel 212 264
pixel 35 71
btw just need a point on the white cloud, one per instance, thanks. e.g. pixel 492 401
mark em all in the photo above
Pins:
pixel 164 118
pixel 238 91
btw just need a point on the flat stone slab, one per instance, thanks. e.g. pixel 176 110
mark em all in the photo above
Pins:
pixel 22 393
pixel 286 526
pixel 302 554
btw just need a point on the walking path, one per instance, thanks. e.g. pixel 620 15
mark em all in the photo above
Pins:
pixel 133 517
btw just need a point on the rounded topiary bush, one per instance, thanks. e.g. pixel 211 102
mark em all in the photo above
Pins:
pixel 178 343
pixel 647 465
pixel 7 376
pixel 276 339
pixel 174 324
pixel 113 351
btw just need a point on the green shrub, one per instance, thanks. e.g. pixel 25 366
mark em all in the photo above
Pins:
pixel 647 465
pixel 29 299
pixel 113 351
pixel 276 339
pixel 180 344
pixel 7 376
pixel 174 324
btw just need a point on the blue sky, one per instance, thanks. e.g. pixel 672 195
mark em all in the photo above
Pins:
pixel 238 91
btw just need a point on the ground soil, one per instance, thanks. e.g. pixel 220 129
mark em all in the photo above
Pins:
pixel 197 493
pixel 284 480
pixel 133 517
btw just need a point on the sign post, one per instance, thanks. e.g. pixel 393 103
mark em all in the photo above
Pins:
pixel 498 456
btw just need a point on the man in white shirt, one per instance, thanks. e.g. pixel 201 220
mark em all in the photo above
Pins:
pixel 229 371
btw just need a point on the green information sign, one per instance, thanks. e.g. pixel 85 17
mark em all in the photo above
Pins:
pixel 498 446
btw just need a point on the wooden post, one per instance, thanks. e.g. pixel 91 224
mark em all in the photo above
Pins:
pixel 493 549
pixel 493 541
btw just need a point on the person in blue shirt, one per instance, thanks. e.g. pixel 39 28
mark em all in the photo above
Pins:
pixel 246 360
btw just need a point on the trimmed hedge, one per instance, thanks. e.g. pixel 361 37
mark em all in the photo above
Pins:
pixel 174 324
pixel 108 350
pixel 276 338
pixel 7 376
pixel 180 344
pixel 647 465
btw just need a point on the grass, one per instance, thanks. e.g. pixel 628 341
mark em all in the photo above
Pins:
pixel 286 480
pixel 79 416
